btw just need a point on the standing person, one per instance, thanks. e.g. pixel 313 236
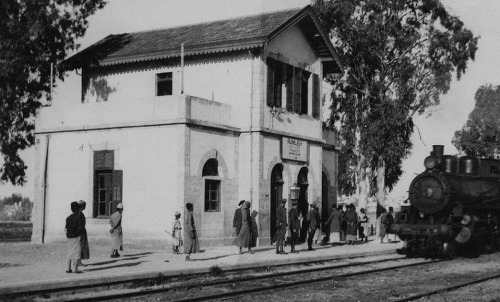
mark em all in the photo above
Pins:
pixel 351 217
pixel 73 231
pixel 313 225
pixel 281 226
pixel 237 218
pixel 382 225
pixel 255 230
pixel 245 228
pixel 343 223
pixel 84 241
pixel 293 218
pixel 116 231
pixel 191 244
pixel 317 232
pixel 363 219
pixel 334 225
pixel 176 233
pixel 389 220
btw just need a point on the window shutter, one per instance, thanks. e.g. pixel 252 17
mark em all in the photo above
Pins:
pixel 116 191
pixel 270 82
pixel 104 160
pixel 289 88
pixel 297 85
pixel 315 96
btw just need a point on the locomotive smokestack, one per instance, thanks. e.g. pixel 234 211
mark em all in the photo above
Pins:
pixel 438 151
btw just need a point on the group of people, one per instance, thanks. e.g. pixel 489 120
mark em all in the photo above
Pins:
pixel 344 225
pixel 76 233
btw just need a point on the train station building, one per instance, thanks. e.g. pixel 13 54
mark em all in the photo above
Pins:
pixel 209 114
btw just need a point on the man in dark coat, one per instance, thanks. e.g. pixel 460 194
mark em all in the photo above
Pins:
pixel 313 218
pixel 293 218
pixel 281 226
pixel 191 244
pixel 237 217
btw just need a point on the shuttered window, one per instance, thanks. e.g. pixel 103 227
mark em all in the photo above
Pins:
pixel 316 105
pixel 288 86
pixel 297 88
pixel 108 184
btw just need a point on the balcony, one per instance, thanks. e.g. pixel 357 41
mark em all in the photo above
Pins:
pixel 162 110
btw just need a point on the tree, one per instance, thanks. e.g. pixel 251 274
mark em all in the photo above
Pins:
pixel 480 136
pixel 399 57
pixel 34 37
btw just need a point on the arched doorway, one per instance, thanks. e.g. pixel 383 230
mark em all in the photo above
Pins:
pixel 325 209
pixel 276 196
pixel 303 205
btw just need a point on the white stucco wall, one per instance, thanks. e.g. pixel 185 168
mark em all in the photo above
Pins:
pixel 149 179
pixel 224 78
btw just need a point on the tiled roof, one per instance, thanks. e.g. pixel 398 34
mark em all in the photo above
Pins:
pixel 210 37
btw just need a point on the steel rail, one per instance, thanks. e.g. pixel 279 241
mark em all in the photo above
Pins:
pixel 447 289
pixel 146 292
pixel 127 281
pixel 299 283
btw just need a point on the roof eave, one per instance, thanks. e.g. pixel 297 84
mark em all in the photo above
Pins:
pixel 308 11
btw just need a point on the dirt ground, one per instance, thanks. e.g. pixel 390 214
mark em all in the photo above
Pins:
pixel 388 286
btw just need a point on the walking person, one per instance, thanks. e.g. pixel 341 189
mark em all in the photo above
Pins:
pixel 293 218
pixel 116 231
pixel 334 225
pixel 281 226
pixel 84 241
pixel 191 244
pixel 245 229
pixel 176 233
pixel 351 218
pixel 74 230
pixel 313 225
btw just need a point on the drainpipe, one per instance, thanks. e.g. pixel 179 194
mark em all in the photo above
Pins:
pixel 182 68
pixel 252 57
pixel 45 168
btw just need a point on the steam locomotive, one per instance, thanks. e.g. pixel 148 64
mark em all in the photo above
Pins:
pixel 454 207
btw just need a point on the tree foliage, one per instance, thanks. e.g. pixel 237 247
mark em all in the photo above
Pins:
pixel 480 136
pixel 399 56
pixel 33 36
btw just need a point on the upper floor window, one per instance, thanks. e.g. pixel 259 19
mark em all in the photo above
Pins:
pixel 164 83
pixel 290 85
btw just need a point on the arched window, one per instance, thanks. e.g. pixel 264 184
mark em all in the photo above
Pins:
pixel 212 185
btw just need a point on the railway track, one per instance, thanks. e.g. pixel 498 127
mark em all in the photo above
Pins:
pixel 447 289
pixel 274 280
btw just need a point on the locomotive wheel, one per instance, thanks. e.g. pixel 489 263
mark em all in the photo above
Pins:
pixel 448 250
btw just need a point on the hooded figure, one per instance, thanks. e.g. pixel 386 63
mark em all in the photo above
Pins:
pixel 191 244
pixel 245 228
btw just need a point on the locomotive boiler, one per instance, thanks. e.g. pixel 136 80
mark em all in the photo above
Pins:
pixel 454 207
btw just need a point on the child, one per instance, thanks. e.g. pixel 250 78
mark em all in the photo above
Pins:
pixel 74 230
pixel 176 233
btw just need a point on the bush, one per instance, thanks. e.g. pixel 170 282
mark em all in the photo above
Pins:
pixel 15 208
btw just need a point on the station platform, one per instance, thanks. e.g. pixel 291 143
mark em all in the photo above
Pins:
pixel 30 267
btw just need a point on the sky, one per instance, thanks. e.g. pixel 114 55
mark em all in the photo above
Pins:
pixel 480 16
